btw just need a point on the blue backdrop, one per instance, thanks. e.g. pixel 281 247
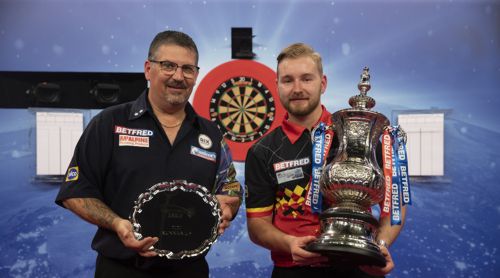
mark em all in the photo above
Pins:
pixel 422 55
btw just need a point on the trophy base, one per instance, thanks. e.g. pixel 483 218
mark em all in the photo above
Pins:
pixel 347 256
pixel 347 238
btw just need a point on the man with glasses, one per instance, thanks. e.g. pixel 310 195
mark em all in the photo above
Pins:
pixel 130 147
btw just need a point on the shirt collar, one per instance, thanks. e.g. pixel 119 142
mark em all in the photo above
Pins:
pixel 141 105
pixel 294 131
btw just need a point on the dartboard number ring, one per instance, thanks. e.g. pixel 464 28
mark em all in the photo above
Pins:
pixel 243 108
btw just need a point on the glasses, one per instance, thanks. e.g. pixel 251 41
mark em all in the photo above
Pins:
pixel 170 68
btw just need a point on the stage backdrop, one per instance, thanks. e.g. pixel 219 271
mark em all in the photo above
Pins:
pixel 422 55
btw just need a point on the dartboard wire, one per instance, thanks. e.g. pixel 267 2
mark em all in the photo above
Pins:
pixel 243 100
pixel 228 105
pixel 226 118
pixel 243 125
pixel 246 123
pixel 253 116
pixel 232 102
pixel 235 95
pixel 231 109
pixel 248 95
pixel 229 100
pixel 254 109
pixel 239 99
pixel 227 123
pixel 243 95
pixel 260 103
pixel 256 104
pixel 238 118
pixel 243 108
pixel 251 124
pixel 238 123
pixel 235 103
pixel 250 104
pixel 234 116
pixel 255 97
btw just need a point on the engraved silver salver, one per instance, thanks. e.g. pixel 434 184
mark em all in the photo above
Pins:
pixel 184 216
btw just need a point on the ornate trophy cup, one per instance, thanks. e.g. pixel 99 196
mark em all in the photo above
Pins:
pixel 352 183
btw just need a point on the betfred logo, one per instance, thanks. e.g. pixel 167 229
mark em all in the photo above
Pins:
pixel 279 166
pixel 133 131
pixel 72 174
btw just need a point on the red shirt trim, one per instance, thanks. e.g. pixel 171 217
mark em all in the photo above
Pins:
pixel 294 131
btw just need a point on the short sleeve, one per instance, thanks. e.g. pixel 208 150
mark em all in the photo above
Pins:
pixel 226 183
pixel 87 171
pixel 260 186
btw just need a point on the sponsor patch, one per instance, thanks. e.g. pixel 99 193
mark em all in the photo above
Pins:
pixel 234 186
pixel 132 131
pixel 290 164
pixel 133 141
pixel 73 174
pixel 290 175
pixel 203 153
pixel 204 141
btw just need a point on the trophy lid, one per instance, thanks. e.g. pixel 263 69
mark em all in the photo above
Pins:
pixel 362 101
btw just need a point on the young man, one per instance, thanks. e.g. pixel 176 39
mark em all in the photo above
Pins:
pixel 128 148
pixel 279 217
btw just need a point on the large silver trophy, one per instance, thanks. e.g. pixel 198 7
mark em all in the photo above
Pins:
pixel 352 183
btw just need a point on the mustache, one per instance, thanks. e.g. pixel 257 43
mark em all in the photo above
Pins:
pixel 175 84
pixel 298 96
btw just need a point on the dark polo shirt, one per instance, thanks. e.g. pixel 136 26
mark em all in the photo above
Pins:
pixel 124 151
pixel 278 178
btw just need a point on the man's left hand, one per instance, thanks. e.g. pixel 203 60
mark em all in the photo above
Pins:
pixel 229 207
pixel 380 271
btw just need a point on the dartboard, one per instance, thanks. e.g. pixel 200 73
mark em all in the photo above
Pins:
pixel 241 97
pixel 243 107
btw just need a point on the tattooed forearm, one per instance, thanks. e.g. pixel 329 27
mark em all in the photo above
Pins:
pixel 92 210
pixel 101 213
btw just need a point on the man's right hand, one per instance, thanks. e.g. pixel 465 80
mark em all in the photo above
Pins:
pixel 123 229
pixel 96 212
pixel 301 256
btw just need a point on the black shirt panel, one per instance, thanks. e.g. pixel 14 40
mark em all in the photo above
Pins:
pixel 262 182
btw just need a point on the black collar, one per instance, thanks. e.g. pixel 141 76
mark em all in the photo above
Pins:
pixel 141 105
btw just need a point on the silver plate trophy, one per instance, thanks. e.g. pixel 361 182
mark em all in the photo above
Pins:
pixel 352 183
pixel 184 216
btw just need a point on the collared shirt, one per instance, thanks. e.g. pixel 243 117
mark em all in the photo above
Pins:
pixel 278 178
pixel 124 151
